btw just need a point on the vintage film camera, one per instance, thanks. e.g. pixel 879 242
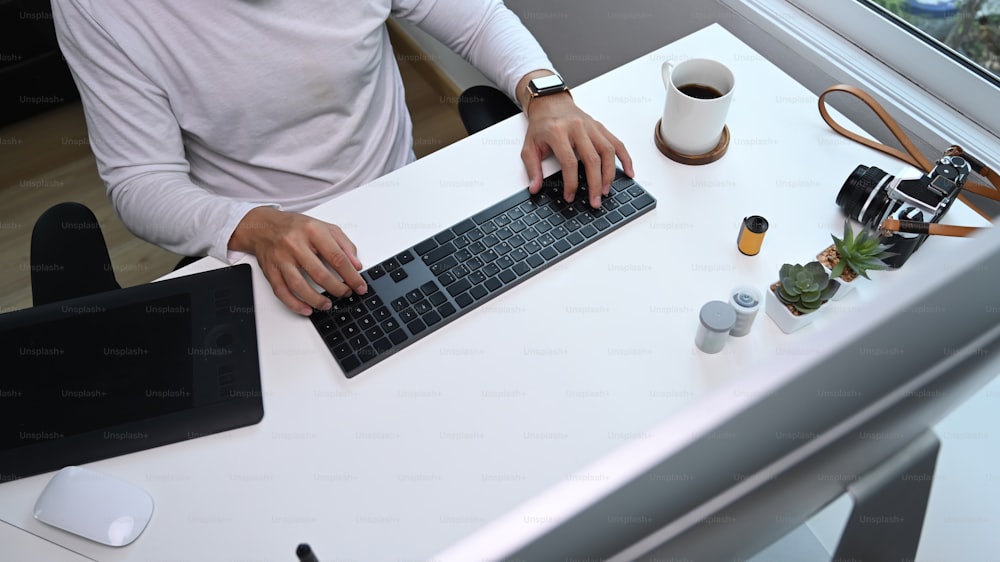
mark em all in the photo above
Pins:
pixel 870 196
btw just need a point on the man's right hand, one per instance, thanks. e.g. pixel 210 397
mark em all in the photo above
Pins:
pixel 292 248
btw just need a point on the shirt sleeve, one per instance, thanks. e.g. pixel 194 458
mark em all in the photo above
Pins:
pixel 138 145
pixel 484 32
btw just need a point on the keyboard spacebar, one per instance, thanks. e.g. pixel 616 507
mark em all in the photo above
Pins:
pixel 501 206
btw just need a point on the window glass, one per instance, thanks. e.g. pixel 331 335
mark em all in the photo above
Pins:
pixel 968 28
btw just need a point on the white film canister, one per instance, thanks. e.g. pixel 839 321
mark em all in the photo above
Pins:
pixel 745 300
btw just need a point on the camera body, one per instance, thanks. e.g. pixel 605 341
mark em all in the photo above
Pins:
pixel 870 196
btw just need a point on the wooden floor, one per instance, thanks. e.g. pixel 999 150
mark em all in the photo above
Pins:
pixel 46 160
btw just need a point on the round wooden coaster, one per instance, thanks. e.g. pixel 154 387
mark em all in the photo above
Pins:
pixel 693 159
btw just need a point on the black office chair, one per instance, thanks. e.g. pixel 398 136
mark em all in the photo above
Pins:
pixel 69 256
pixel 483 106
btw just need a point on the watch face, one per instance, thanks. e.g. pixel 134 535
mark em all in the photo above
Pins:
pixel 546 85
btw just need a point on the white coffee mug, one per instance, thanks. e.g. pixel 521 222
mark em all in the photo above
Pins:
pixel 699 93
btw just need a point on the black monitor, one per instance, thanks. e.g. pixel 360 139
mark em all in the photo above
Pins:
pixel 107 374
pixel 728 477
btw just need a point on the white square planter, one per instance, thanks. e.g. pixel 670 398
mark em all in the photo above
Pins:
pixel 785 320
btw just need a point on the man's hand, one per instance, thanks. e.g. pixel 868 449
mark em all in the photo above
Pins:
pixel 290 247
pixel 557 126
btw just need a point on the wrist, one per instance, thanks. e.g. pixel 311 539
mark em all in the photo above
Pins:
pixel 539 85
pixel 244 236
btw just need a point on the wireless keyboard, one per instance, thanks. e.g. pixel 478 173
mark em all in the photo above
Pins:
pixel 431 284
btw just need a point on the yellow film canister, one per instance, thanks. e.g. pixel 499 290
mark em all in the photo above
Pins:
pixel 752 235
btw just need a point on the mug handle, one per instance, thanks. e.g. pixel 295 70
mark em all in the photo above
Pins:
pixel 666 70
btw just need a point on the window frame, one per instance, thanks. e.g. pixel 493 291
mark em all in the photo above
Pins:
pixel 851 43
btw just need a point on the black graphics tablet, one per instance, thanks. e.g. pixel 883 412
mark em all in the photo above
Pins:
pixel 127 370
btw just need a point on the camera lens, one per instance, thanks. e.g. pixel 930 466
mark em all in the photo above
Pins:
pixel 858 197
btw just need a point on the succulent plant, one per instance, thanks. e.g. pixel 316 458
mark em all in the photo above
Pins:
pixel 861 252
pixel 804 287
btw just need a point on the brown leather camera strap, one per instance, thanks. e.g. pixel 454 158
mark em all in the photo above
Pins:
pixel 912 155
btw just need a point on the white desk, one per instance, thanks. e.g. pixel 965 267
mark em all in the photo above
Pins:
pixel 417 452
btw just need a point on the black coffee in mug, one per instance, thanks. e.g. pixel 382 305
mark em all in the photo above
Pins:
pixel 700 91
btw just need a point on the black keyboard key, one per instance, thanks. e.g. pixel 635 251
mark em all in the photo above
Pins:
pixel 382 345
pixel 535 260
pixel 399 304
pixel 602 224
pixel 446 278
pixel 507 275
pixel 493 283
pixel 478 292
pixel 438 298
pixel 446 310
pixel 438 253
pixel 333 339
pixel 416 326
pixel 390 265
pixel 398 275
pixel 374 333
pixel 439 239
pixel 350 363
pixel 343 351
pixel 389 325
pixel 562 246
pixel 398 336
pixel 464 300
pixel 615 217
pixel 444 265
pixel 405 257
pixel 376 272
pixel 372 302
pixel 408 315
pixel 549 253
pixel 642 201
pixel 627 210
pixel 463 227
pixel 462 241
pixel 431 318
pixel 520 268
pixel 589 231
pixel 426 246
pixel 429 287
pixel 414 296
pixel 458 287
pixel 367 354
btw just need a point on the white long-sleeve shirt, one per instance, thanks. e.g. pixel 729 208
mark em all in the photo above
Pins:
pixel 200 111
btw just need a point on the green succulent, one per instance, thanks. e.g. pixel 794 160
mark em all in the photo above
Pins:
pixel 862 252
pixel 805 287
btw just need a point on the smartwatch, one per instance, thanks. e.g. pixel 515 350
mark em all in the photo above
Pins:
pixel 545 86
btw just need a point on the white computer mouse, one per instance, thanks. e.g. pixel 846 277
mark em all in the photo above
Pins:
pixel 95 506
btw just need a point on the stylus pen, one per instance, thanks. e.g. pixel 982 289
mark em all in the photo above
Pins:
pixel 305 553
pixel 916 227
